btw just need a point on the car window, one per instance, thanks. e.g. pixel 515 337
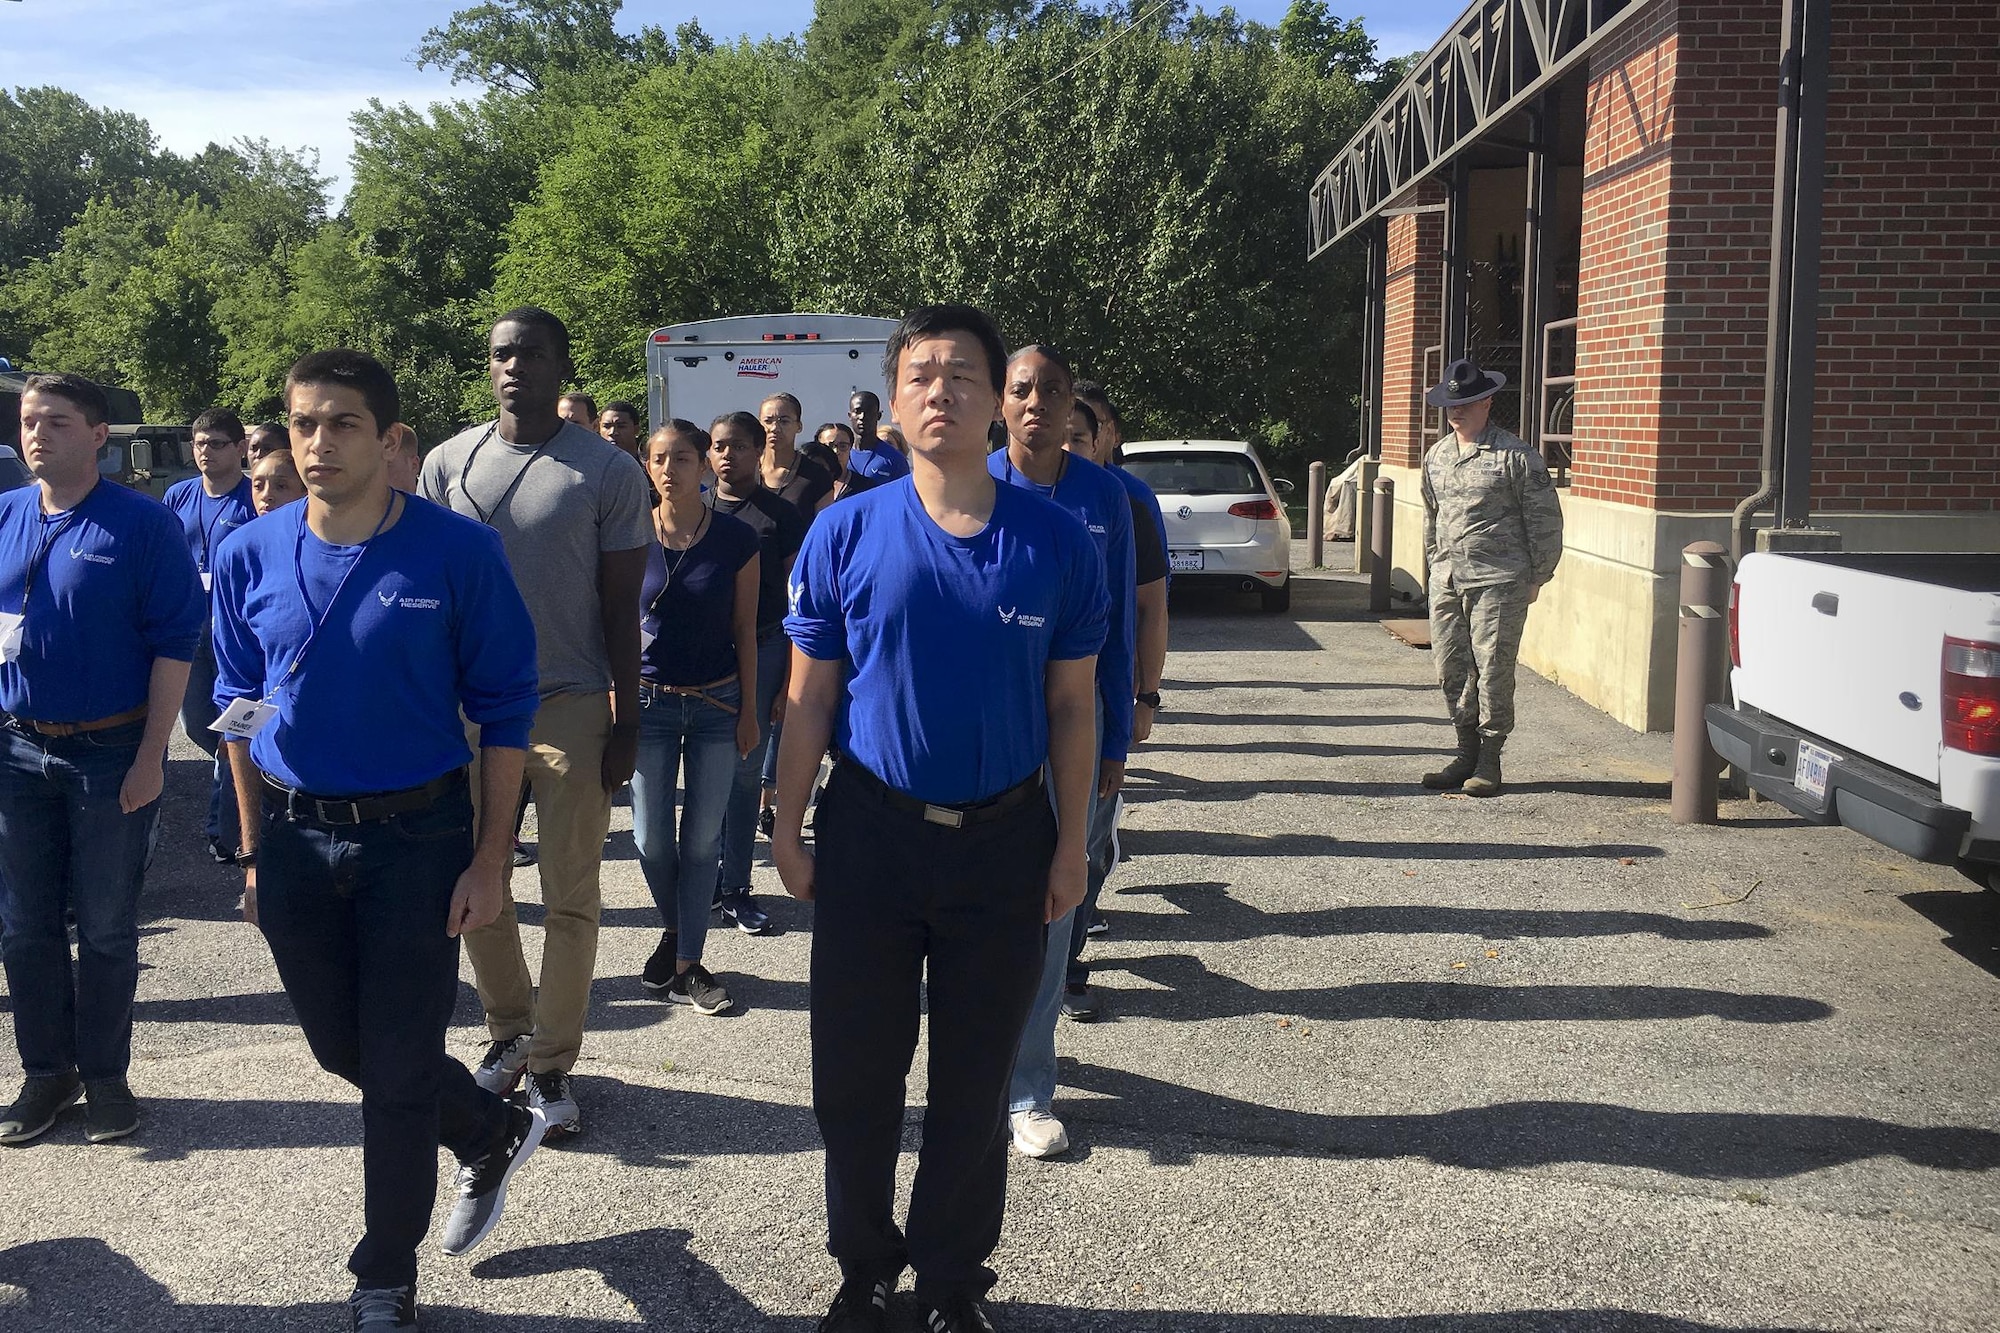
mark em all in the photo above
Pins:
pixel 1196 472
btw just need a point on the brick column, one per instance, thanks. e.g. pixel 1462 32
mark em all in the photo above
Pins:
pixel 1413 314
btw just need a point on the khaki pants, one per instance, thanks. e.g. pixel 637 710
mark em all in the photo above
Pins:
pixel 1476 639
pixel 573 813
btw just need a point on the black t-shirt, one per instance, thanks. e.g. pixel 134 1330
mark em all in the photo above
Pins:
pixel 1149 553
pixel 813 474
pixel 781 530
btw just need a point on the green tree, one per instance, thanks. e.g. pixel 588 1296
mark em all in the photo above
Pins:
pixel 57 153
pixel 519 46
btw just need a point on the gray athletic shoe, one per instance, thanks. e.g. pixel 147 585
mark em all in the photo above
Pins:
pixel 482 1185
pixel 35 1110
pixel 378 1308
pixel 501 1068
pixel 550 1093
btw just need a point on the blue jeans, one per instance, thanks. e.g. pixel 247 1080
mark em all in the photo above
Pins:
pixel 198 714
pixel 65 846
pixel 739 826
pixel 355 917
pixel 675 733
pixel 1034 1083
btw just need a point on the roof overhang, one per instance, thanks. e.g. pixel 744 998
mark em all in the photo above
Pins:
pixel 1497 58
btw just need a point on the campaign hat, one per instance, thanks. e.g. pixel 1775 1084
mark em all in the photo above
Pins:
pixel 1464 382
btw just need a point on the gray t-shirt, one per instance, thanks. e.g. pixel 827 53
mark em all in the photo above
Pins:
pixel 556 508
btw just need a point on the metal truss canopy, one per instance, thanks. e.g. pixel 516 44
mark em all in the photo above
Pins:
pixel 1494 60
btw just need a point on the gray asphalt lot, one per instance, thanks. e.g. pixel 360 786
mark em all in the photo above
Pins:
pixel 1374 1059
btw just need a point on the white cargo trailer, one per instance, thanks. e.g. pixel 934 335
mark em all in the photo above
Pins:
pixel 700 370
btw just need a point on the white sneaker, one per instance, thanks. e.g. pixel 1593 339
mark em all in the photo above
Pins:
pixel 500 1071
pixel 1038 1134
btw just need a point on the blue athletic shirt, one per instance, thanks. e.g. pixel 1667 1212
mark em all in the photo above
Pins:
pixel 1143 493
pixel 880 461
pixel 115 589
pixel 946 640
pixel 1094 496
pixel 685 628
pixel 429 624
pixel 206 519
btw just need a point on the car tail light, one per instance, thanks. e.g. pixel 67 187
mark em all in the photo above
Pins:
pixel 1253 509
pixel 1735 634
pixel 1972 696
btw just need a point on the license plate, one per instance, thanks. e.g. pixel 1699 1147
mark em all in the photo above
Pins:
pixel 1184 561
pixel 1814 765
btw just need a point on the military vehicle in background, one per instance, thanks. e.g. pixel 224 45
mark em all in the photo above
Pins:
pixel 146 456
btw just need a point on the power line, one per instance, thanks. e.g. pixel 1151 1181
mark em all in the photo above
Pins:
pixel 1083 59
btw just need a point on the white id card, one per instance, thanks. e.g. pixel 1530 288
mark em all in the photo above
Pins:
pixel 207 581
pixel 12 624
pixel 646 638
pixel 244 719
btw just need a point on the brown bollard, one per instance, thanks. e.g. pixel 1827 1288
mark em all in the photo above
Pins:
pixel 1381 545
pixel 1316 513
pixel 1698 679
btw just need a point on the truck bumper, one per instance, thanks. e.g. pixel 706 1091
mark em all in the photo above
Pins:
pixel 1893 808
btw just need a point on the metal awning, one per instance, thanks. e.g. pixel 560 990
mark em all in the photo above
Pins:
pixel 1494 60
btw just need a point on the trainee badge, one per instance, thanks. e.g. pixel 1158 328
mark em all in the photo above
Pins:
pixel 12 626
pixel 207 581
pixel 243 719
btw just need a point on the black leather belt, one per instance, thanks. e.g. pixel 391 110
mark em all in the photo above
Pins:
pixel 345 810
pixel 946 816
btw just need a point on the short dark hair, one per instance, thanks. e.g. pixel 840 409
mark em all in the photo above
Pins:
pixel 934 320
pixel 581 397
pixel 870 394
pixel 1100 398
pixel 1047 353
pixel 219 419
pixel 620 405
pixel 354 370
pixel 85 395
pixel 798 408
pixel 743 421
pixel 1077 404
pixel 536 317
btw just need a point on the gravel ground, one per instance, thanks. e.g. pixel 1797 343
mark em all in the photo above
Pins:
pixel 1373 1059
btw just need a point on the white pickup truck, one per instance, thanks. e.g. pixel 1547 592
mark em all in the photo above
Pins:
pixel 1867 693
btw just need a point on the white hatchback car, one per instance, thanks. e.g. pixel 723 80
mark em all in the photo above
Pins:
pixel 1226 525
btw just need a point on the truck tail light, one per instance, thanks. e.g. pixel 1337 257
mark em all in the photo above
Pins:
pixel 1735 634
pixel 1253 509
pixel 1972 696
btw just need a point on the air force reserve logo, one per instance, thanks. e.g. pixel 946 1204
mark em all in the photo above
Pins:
pixel 389 597
pixel 1008 617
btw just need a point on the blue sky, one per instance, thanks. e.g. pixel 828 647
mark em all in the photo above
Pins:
pixel 292 71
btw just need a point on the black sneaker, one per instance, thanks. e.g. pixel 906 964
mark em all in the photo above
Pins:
pixel 659 971
pixel 482 1185
pixel 376 1308
pixel 696 988
pixel 110 1111
pixel 35 1110
pixel 860 1306
pixel 524 856
pixel 221 854
pixel 1098 925
pixel 767 820
pixel 1079 1005
pixel 749 918
pixel 960 1314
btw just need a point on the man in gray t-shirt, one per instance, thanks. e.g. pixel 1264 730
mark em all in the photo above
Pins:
pixel 571 510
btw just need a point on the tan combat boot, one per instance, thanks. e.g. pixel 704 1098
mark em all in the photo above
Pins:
pixel 1461 768
pixel 1485 780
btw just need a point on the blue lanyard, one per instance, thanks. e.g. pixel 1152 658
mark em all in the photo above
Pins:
pixel 51 534
pixel 305 598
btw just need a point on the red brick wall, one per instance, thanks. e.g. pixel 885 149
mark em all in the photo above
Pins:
pixel 1413 319
pixel 1622 290
pixel 1676 258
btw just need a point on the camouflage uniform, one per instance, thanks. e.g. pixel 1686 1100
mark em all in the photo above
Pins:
pixel 1492 534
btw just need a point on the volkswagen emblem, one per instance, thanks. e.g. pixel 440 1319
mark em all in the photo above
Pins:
pixel 1187 511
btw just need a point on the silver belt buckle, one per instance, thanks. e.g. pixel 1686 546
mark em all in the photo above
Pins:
pixel 937 814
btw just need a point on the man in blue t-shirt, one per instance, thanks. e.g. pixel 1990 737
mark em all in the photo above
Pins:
pixel 100 612
pixel 939 859
pixel 872 456
pixel 210 507
pixel 351 632
pixel 1040 393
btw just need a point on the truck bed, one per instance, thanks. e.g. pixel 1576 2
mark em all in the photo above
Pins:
pixel 1960 572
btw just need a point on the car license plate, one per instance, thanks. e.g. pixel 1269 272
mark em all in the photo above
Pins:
pixel 1814 765
pixel 1185 561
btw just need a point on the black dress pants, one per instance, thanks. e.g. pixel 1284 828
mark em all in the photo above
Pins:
pixel 902 903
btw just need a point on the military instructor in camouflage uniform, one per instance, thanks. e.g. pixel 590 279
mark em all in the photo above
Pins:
pixel 1492 536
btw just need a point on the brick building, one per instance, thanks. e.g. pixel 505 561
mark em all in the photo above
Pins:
pixel 1579 193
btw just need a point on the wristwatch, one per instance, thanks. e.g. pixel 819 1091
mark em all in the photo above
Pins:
pixel 247 858
pixel 1151 698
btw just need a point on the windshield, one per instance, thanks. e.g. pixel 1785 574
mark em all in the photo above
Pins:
pixel 1196 472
